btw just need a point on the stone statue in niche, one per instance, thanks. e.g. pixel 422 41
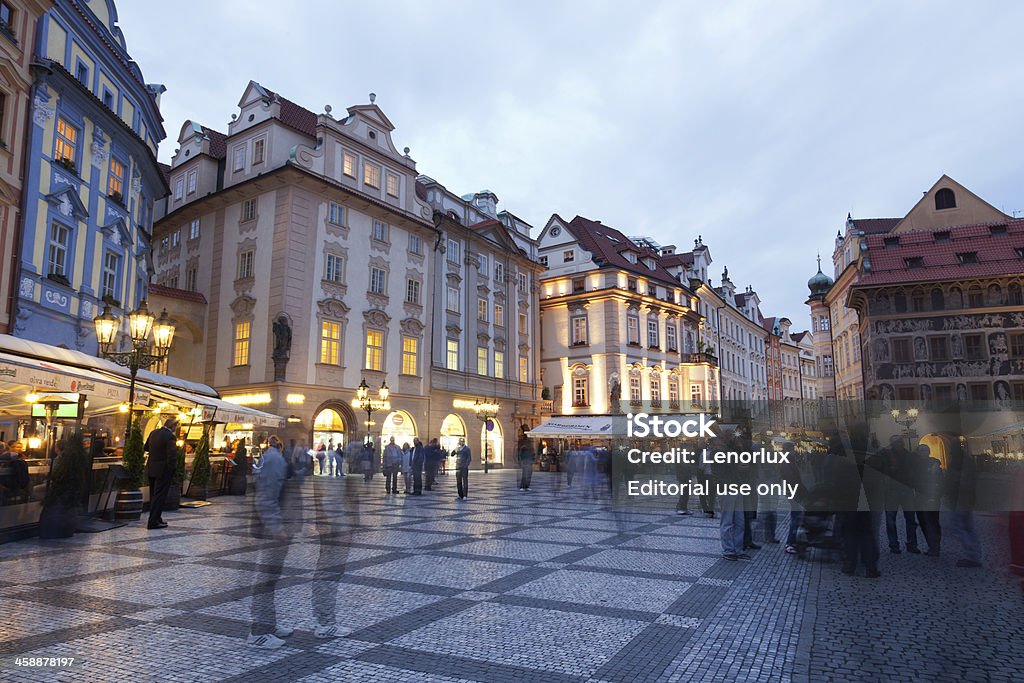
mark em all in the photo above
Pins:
pixel 282 339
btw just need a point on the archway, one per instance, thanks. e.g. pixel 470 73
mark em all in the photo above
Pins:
pixel 398 424
pixel 328 428
pixel 452 429
pixel 492 438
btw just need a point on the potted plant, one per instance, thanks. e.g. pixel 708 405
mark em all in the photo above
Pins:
pixel 197 488
pixel 116 196
pixel 66 490
pixel 128 504
pixel 68 164
pixel 545 394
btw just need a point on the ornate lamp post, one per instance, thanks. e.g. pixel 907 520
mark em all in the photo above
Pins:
pixel 141 356
pixel 363 401
pixel 905 418
pixel 485 412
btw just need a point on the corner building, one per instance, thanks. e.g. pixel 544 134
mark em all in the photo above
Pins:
pixel 91 179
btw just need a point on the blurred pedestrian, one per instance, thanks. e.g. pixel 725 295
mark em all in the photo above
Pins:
pixel 526 457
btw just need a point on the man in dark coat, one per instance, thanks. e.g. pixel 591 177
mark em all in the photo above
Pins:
pixel 418 455
pixel 163 454
pixel 432 459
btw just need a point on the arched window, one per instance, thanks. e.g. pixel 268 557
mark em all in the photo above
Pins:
pixel 917 300
pixel 938 300
pixel 1016 299
pixel 945 199
pixel 899 302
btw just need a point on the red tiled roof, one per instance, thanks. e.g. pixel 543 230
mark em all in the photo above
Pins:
pixel 295 116
pixel 679 259
pixel 607 243
pixel 996 255
pixel 769 323
pixel 172 293
pixel 798 336
pixel 218 143
pixel 875 226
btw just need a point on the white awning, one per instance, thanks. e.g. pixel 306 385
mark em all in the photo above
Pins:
pixel 51 376
pixel 578 427
pixel 219 410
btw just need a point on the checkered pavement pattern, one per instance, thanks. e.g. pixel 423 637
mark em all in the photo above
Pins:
pixel 544 585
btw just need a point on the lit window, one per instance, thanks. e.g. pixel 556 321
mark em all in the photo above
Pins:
pixel 580 394
pixel 239 157
pixel 258 147
pixel 67 139
pixel 374 350
pixel 412 291
pixel 380 231
pixel 453 299
pixel 193 229
pixel 524 324
pixel 111 268
pixel 371 175
pixel 242 332
pixel 336 214
pixel 481 360
pixel 333 268
pixel 245 264
pixel 58 258
pixel 482 308
pixel 410 348
pixel 378 281
pixel 524 369
pixel 249 210
pixel 452 359
pixel 348 164
pixel 392 184
pixel 115 182
pixel 415 244
pixel 454 251
pixel 192 175
pixel 330 342
pixel 579 330
pixel 499 315
pixel 499 365
pixel 696 394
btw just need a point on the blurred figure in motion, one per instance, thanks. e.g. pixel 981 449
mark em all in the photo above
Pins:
pixel 900 493
pixel 525 465
pixel 959 491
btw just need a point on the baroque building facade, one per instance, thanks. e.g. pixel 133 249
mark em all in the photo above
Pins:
pixel 303 255
pixel 17 34
pixel 91 179
pixel 620 330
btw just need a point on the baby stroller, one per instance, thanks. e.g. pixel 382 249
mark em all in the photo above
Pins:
pixel 817 527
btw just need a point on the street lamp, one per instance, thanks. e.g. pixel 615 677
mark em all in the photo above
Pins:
pixel 485 412
pixel 363 401
pixel 141 355
pixel 906 418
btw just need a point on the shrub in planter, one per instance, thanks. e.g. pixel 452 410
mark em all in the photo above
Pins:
pixel 200 470
pixel 68 487
pixel 174 493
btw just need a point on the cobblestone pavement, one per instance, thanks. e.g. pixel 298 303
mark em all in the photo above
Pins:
pixel 545 585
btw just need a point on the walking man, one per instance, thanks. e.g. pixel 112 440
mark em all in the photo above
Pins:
pixel 163 456
pixel 526 466
pixel 462 459
pixel 432 458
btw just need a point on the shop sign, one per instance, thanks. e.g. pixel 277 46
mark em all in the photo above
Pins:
pixel 397 419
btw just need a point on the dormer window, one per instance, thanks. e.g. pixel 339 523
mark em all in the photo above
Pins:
pixel 630 256
pixel 968 257
pixel 997 230
pixel 650 263
pixel 942 236
pixel 914 262
pixel 891 242
pixel 945 199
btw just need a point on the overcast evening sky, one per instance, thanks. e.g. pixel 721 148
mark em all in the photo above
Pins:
pixel 756 124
